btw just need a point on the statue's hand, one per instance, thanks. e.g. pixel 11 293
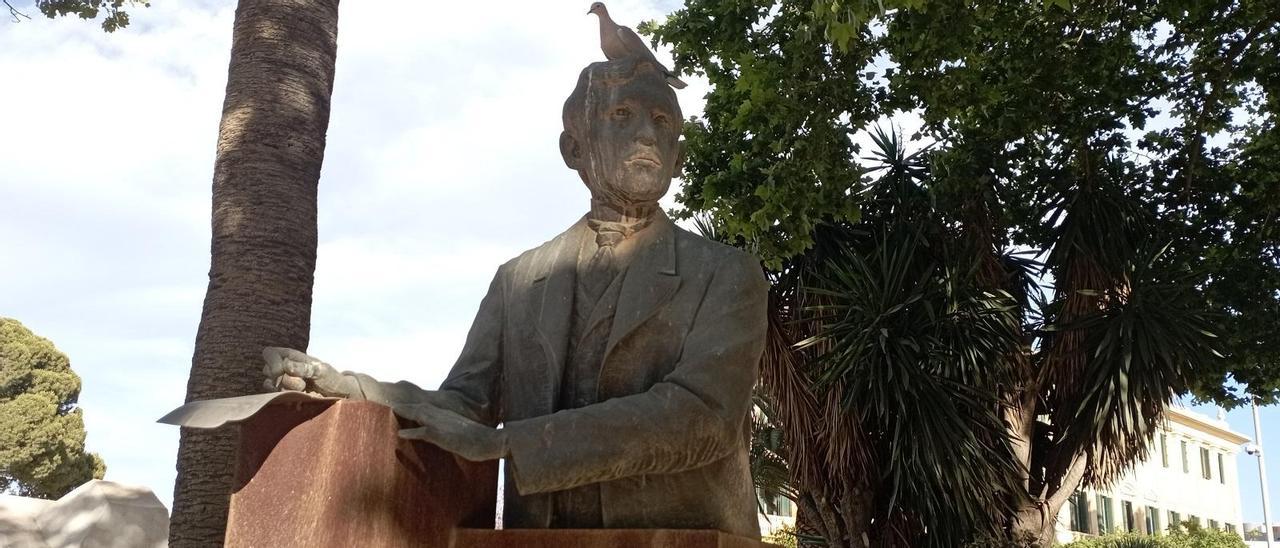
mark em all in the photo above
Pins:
pixel 453 432
pixel 289 369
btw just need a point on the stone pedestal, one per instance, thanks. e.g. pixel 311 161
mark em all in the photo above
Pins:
pixel 336 474
pixel 601 538
pixel 328 473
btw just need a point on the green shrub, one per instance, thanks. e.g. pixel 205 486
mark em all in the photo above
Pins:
pixel 1186 535
pixel 785 536
pixel 1123 540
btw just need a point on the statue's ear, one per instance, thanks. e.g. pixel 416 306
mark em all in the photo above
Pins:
pixel 680 148
pixel 571 151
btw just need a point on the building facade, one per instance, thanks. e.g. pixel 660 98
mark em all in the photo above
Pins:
pixel 1189 475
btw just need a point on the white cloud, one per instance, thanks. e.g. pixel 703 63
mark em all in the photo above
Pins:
pixel 441 163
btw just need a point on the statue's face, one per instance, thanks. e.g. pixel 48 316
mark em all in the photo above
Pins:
pixel 633 146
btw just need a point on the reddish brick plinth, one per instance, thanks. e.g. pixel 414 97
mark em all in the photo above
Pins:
pixel 336 474
pixel 601 538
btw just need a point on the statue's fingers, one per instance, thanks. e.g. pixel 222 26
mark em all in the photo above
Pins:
pixel 406 412
pixel 288 382
pixel 297 355
pixel 296 368
pixel 415 434
pixel 272 367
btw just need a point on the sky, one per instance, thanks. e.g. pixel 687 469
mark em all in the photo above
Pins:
pixel 442 162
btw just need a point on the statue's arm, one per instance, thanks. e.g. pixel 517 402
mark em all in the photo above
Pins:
pixel 693 417
pixel 471 389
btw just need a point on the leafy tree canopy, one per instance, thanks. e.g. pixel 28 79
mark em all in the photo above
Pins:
pixel 42 433
pixel 1166 107
pixel 115 16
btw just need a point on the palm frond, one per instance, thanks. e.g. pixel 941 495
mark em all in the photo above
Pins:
pixel 1140 350
pixel 916 357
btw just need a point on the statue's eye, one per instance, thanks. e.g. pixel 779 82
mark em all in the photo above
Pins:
pixel 662 120
pixel 621 113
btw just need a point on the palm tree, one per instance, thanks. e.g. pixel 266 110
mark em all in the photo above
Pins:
pixel 882 366
pixel 270 148
pixel 933 388
pixel 1119 337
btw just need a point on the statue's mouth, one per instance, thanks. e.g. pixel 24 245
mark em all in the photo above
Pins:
pixel 644 160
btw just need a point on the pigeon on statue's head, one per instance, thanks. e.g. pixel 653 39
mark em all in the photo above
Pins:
pixel 617 41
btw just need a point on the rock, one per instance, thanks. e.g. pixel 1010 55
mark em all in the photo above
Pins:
pixel 18 526
pixel 98 514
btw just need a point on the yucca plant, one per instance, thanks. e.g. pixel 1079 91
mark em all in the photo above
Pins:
pixel 927 388
pixel 882 372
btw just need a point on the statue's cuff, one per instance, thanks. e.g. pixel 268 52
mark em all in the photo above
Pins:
pixel 358 393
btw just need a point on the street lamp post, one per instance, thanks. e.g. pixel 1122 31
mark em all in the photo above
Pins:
pixel 1256 451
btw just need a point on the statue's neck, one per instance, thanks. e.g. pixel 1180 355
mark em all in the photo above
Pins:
pixel 626 214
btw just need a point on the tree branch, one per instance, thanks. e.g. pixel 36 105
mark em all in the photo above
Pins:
pixel 14 13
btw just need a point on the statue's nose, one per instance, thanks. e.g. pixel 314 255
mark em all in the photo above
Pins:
pixel 646 134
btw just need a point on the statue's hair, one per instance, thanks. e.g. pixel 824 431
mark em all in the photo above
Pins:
pixel 597 77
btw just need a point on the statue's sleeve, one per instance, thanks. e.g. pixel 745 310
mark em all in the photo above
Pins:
pixel 692 417
pixel 471 389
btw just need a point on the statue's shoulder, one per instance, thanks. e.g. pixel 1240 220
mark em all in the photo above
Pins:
pixel 696 249
pixel 535 263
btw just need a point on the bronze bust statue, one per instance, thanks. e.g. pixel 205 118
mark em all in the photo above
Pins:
pixel 618 357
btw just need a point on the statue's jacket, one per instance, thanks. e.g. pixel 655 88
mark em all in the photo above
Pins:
pixel 667 441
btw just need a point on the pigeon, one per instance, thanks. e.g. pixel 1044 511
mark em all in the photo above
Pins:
pixel 618 41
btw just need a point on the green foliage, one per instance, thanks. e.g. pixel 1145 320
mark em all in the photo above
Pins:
pixel 886 315
pixel 1132 147
pixel 1171 103
pixel 115 15
pixel 1121 540
pixel 41 430
pixel 767 453
pixel 1189 535
pixel 784 536
pixel 771 158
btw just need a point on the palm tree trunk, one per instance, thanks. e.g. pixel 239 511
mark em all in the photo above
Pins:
pixel 270 148
pixel 1035 521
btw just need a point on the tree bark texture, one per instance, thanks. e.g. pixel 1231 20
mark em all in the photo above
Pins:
pixel 1034 522
pixel 270 148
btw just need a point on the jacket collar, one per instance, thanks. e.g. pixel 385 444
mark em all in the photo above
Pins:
pixel 650 280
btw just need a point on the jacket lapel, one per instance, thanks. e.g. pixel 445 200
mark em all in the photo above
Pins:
pixel 552 294
pixel 650 281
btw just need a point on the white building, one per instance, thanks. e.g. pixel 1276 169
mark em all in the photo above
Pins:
pixel 777 514
pixel 1189 475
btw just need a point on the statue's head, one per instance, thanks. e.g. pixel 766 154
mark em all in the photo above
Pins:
pixel 622 132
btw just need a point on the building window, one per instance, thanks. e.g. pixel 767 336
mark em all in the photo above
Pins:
pixel 1213 524
pixel 1231 527
pixel 1205 469
pixel 1127 508
pixel 778 506
pixel 1175 519
pixel 1079 512
pixel 784 507
pixel 1193 519
pixel 1164 450
pixel 1106 515
pixel 1222 469
pixel 1186 462
pixel 1152 520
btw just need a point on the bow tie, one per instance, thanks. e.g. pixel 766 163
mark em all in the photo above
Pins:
pixel 611 233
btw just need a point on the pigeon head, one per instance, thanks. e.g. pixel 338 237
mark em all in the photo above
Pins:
pixel 622 132
pixel 598 9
